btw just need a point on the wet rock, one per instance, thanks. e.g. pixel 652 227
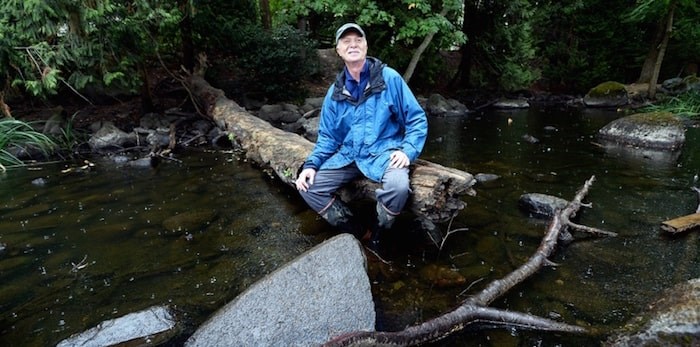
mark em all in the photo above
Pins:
pixel 673 320
pixel 309 127
pixel 530 139
pixel 39 182
pixel 189 221
pixel 279 113
pixel 485 177
pixel 607 94
pixel 109 136
pixel 437 105
pixel 511 103
pixel 678 85
pixel 145 162
pixel 308 301
pixel 653 130
pixel 541 205
pixel 149 327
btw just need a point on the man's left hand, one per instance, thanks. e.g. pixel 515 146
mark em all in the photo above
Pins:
pixel 399 160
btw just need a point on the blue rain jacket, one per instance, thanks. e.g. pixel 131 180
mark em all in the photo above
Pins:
pixel 386 118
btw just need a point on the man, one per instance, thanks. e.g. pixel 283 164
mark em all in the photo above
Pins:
pixel 371 125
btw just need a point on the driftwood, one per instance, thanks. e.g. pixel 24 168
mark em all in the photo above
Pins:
pixel 684 223
pixel 436 189
pixel 474 309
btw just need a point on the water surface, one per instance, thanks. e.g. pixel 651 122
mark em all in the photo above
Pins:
pixel 86 246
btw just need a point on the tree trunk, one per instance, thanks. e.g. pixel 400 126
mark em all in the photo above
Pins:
pixel 419 51
pixel 436 189
pixel 662 51
pixel 265 16
pixel 652 55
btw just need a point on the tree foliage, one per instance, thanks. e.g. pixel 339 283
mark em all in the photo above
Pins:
pixel 78 44
pixel 90 47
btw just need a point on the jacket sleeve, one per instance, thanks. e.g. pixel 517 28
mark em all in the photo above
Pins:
pixel 327 142
pixel 415 120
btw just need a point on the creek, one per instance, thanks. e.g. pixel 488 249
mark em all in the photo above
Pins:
pixel 84 246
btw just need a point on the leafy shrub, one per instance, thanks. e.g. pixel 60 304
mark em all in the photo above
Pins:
pixel 276 62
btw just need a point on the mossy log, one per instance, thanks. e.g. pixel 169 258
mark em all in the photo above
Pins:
pixel 436 189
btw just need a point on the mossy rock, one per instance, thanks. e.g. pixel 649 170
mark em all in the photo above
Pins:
pixel 607 94
pixel 652 130
pixel 673 320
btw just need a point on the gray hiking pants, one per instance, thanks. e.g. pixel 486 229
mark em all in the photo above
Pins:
pixel 392 196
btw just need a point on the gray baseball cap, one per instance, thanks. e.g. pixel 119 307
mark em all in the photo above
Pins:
pixel 347 27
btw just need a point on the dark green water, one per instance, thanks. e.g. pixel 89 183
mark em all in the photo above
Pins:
pixel 243 225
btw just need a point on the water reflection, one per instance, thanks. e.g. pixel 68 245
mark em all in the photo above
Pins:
pixel 237 226
pixel 195 234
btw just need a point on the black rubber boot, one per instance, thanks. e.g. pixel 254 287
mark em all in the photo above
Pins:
pixel 339 215
pixel 384 223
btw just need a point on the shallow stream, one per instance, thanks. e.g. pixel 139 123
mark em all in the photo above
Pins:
pixel 84 246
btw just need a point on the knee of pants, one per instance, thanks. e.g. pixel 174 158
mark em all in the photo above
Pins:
pixel 399 184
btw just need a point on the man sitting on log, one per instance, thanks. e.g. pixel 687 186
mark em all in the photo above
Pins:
pixel 371 124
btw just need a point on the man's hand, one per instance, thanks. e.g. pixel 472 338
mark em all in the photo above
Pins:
pixel 399 160
pixel 305 179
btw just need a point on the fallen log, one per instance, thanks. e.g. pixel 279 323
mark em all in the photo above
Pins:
pixel 436 189
pixel 474 309
pixel 683 223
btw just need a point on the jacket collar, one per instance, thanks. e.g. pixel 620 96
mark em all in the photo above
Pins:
pixel 375 84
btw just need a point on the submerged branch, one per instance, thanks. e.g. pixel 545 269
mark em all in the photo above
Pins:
pixel 473 310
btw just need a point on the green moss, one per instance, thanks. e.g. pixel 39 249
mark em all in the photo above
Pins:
pixel 658 118
pixel 610 88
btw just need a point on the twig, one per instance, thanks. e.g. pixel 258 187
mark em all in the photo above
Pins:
pixel 591 230
pixel 79 266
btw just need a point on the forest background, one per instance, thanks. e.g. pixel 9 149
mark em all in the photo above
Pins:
pixel 95 52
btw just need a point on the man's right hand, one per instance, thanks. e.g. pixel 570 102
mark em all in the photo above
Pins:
pixel 305 179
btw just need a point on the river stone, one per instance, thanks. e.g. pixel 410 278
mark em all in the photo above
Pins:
pixel 438 105
pixel 505 103
pixel 673 320
pixel 148 327
pixel 607 94
pixel 653 130
pixel 541 205
pixel 109 136
pixel 325 292
pixel 283 112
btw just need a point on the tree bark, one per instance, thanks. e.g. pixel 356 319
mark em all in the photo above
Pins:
pixel 436 189
pixel 419 51
pixel 474 309
pixel 662 51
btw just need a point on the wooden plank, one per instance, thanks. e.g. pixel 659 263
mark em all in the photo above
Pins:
pixel 681 224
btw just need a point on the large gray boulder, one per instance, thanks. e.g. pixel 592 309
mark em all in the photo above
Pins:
pixel 653 130
pixel 323 293
pixel 673 320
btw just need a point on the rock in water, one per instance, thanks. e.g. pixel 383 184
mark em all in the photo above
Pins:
pixel 322 294
pixel 152 326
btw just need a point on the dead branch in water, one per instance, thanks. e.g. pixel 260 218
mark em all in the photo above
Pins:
pixel 474 310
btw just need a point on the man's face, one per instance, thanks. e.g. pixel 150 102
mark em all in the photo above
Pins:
pixel 352 47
